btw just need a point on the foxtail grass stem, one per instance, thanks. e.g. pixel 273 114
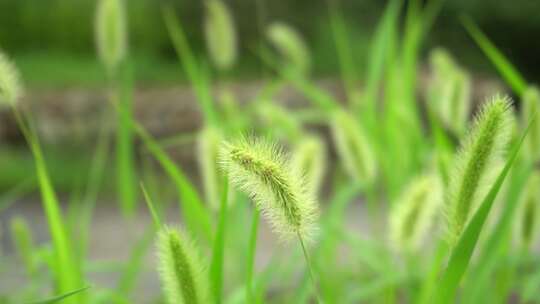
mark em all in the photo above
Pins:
pixel 252 249
pixel 310 269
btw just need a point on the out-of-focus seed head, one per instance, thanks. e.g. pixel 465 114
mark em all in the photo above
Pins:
pixel 531 106
pixel 309 160
pixel 10 84
pixel 353 148
pixel 413 214
pixel 290 45
pixel 111 32
pixel 220 32
pixel 527 223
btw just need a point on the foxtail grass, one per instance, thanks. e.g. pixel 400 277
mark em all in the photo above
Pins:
pixel 290 45
pixel 353 148
pixel 414 214
pixel 531 106
pixel 184 279
pixel 10 83
pixel 309 160
pixel 111 32
pixel 261 170
pixel 481 151
pixel 220 34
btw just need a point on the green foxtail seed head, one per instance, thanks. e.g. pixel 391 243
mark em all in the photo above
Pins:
pixel 183 277
pixel 353 147
pixel 309 160
pixel 290 45
pixel 261 170
pixel 528 221
pixel 531 106
pixel 23 242
pixel 111 32
pixel 414 213
pixel 220 34
pixel 472 172
pixel 450 91
pixel 282 123
pixel 10 85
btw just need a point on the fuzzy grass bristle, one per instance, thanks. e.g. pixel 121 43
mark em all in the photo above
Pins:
pixel 261 170
pixel 181 271
pixel 480 152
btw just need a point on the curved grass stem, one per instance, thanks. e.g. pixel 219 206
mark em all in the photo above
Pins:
pixel 310 269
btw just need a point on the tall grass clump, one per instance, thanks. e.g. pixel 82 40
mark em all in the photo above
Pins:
pixel 481 151
pixel 64 265
pixel 220 34
pixel 413 216
pixel 184 280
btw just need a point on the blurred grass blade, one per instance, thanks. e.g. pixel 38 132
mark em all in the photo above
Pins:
pixel 196 75
pixel 344 51
pixel 67 271
pixel 461 254
pixel 128 277
pixel 16 192
pixel 492 251
pixel 151 206
pixel 252 249
pixel 194 212
pixel 218 250
pixel 313 93
pixel 510 74
pixel 59 298
pixel 125 159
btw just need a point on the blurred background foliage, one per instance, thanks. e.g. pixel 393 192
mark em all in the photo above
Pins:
pixel 40 33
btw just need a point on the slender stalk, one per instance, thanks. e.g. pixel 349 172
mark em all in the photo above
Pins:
pixel 310 269
pixel 251 255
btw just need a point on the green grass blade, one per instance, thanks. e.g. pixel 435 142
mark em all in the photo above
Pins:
pixel 129 275
pixel 197 75
pixel 509 73
pixel 491 253
pixel 461 254
pixel 194 212
pixel 252 249
pixel 125 158
pixel 218 250
pixel 344 51
pixel 62 297
pixel 67 272
pixel 314 94
pixel 151 206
